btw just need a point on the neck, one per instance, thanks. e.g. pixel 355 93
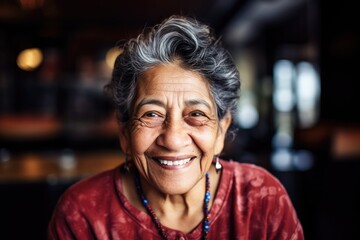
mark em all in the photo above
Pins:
pixel 181 211
pixel 186 201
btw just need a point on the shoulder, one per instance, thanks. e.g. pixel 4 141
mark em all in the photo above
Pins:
pixel 249 173
pixel 83 197
pixel 82 208
pixel 262 198
pixel 254 180
pixel 95 183
pixel 90 190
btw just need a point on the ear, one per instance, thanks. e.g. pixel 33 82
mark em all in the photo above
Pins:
pixel 223 127
pixel 124 138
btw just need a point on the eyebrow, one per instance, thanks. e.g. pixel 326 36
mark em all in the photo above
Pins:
pixel 149 101
pixel 159 103
pixel 197 102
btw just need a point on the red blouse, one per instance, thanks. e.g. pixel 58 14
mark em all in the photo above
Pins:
pixel 249 204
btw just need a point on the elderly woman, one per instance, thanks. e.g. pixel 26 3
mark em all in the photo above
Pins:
pixel 175 89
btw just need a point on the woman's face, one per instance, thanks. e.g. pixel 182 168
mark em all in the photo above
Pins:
pixel 174 132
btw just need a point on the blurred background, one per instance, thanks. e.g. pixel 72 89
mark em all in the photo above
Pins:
pixel 298 113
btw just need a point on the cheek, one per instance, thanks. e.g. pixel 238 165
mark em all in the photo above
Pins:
pixel 205 140
pixel 142 139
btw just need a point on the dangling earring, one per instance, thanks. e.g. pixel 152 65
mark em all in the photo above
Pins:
pixel 127 163
pixel 218 166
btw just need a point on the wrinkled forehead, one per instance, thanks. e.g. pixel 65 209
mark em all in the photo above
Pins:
pixel 171 78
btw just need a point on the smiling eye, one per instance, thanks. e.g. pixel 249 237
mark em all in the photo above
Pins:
pixel 196 118
pixel 151 114
pixel 152 119
pixel 197 114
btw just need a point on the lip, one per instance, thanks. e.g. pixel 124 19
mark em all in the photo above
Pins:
pixel 173 163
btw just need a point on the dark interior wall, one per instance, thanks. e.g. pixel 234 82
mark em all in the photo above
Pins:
pixel 340 51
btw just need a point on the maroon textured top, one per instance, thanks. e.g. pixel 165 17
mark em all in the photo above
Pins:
pixel 249 204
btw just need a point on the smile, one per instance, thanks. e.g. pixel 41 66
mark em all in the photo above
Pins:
pixel 174 163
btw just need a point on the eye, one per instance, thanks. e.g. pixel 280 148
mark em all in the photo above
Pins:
pixel 197 114
pixel 196 118
pixel 151 114
pixel 152 119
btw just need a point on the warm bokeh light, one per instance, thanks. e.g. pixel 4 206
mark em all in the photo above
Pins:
pixel 29 59
pixel 111 56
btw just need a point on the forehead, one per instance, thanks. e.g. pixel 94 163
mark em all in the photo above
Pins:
pixel 172 78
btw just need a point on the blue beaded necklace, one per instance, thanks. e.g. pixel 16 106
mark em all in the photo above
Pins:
pixel 159 226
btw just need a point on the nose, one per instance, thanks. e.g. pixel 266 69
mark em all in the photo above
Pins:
pixel 174 135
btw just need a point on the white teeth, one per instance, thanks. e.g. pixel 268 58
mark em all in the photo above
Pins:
pixel 174 163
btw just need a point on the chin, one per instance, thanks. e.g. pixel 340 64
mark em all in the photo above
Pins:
pixel 176 187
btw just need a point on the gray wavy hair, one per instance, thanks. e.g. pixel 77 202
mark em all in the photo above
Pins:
pixel 177 38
